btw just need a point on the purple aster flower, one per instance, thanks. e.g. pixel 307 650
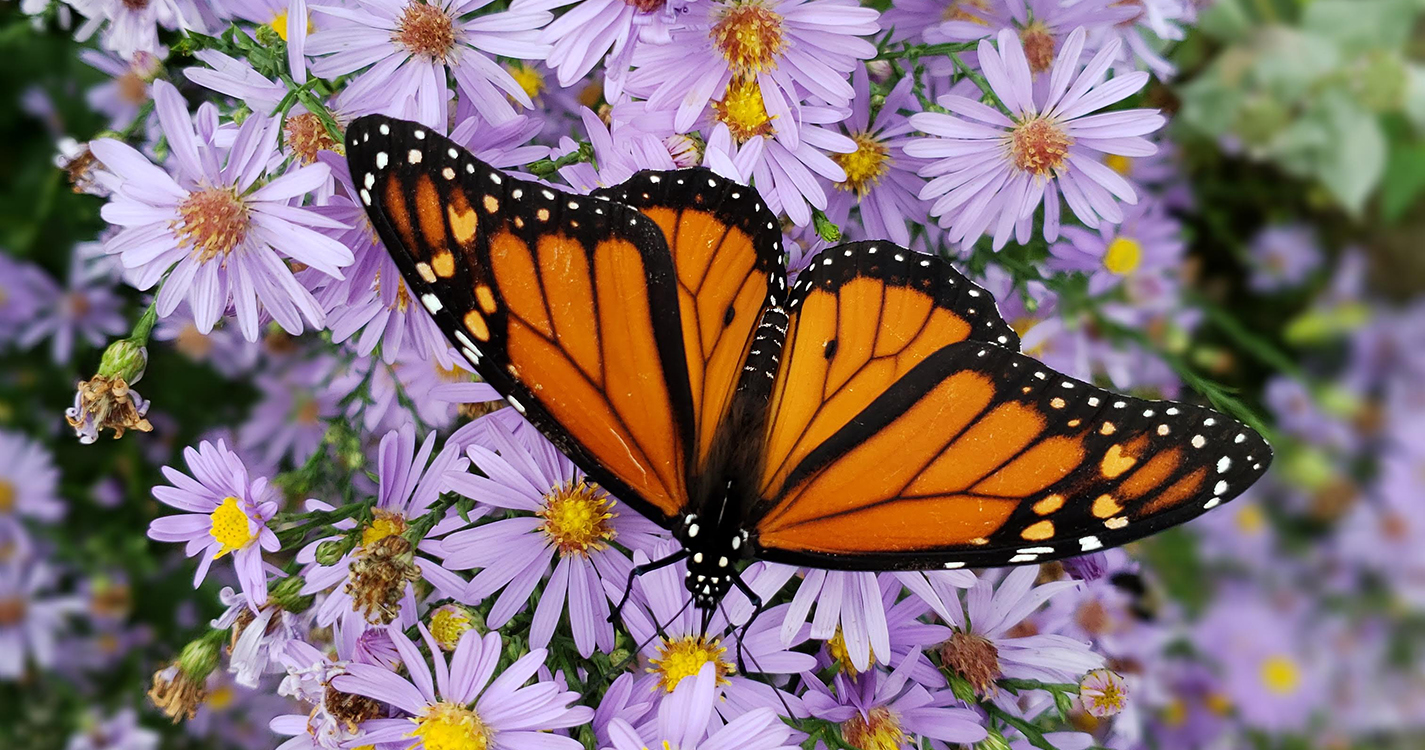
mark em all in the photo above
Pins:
pixel 1042 26
pixel 33 619
pixel 220 237
pixel 1148 241
pixel 685 721
pixel 224 347
pixel 121 731
pixel 621 148
pixel 122 98
pixel 1110 615
pixel 1103 693
pixel 258 639
pixel 29 485
pixel 334 717
pixel 290 418
pixel 982 648
pixel 407 48
pixel 675 644
pixel 743 143
pixel 565 531
pixel 1241 533
pixel 769 50
pixel 392 404
pixel 279 16
pixel 376 578
pixel 881 181
pixel 238 79
pixel 24 290
pixel 130 27
pixel 889 710
pixel 1283 257
pixel 87 310
pixel 1273 678
pixel 226 512
pixel 991 171
pixel 597 29
pixel 1154 23
pixel 462 706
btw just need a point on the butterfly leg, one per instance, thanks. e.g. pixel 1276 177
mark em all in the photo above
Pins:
pixel 617 614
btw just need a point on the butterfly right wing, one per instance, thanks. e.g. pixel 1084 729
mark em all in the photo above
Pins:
pixel 862 315
pixel 565 304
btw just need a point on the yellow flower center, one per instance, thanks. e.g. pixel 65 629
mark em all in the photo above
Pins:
pixel 221 699
pixel 576 518
pixel 231 527
pixel 447 726
pixel 865 166
pixel 1123 256
pixel 965 10
pixel 1281 674
pixel 1039 145
pixel 279 24
pixel 426 30
pixel 384 523
pixel 685 657
pixel 1038 46
pixel 1219 704
pixel 1104 693
pixel 1175 713
pixel 836 648
pixel 1251 520
pixel 749 35
pixel 743 111
pixel 213 221
pixel 882 731
pixel 7 497
pixel 1120 164
pixel 529 78
pixel 449 624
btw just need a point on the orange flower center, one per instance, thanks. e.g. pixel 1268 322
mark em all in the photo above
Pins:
pixel 214 221
pixel 1038 46
pixel 750 36
pixel 426 30
pixel 1039 145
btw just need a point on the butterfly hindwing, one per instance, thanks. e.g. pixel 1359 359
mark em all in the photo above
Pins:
pixel 862 316
pixel 557 300
pixel 727 256
pixel 982 456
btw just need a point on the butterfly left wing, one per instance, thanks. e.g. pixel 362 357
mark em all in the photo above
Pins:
pixel 727 257
pixel 564 303
pixel 981 456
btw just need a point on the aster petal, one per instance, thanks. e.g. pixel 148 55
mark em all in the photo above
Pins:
pixel 133 167
pixel 383 685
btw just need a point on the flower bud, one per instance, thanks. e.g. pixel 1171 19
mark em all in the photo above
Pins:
pixel 995 741
pixel 125 358
pixel 450 622
pixel 331 551
pixel 180 688
pixel 1090 567
pixel 287 594
pixel 1103 693
pixel 686 149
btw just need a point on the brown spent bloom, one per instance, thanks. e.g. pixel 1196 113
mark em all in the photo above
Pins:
pixel 106 403
pixel 350 709
pixel 974 658
pixel 307 137
pixel 176 694
pixel 379 576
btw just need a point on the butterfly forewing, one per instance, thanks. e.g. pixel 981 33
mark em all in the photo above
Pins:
pixel 981 456
pixel 727 256
pixel 862 316
pixel 566 304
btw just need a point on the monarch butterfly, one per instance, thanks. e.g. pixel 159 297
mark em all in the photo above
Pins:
pixel 876 415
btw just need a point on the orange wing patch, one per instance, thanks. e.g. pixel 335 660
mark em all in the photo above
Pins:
pixel 980 456
pixel 861 319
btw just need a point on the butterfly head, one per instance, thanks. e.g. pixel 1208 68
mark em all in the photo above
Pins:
pixel 713 553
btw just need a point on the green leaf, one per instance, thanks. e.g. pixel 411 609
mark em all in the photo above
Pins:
pixel 1403 181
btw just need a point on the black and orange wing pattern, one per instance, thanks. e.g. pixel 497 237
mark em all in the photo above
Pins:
pixel 861 317
pixel 981 456
pixel 727 256
pixel 559 301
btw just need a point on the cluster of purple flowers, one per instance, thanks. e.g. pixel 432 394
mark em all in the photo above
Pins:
pixel 414 567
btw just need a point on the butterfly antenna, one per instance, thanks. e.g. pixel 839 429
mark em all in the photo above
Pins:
pixel 616 616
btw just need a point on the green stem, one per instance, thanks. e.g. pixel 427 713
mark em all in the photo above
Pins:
pixel 979 80
pixel 911 51
pixel 144 327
